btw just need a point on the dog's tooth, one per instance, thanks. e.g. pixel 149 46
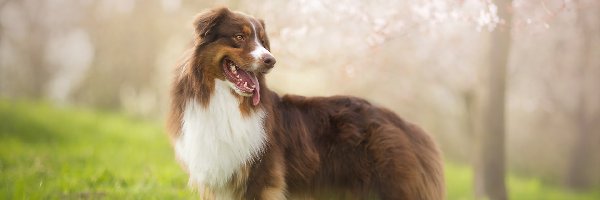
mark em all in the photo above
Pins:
pixel 246 84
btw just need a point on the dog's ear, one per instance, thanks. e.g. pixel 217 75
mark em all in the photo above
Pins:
pixel 267 43
pixel 206 21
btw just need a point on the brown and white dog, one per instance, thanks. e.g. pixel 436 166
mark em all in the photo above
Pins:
pixel 239 140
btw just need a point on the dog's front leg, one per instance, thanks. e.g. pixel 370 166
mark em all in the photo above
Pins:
pixel 267 181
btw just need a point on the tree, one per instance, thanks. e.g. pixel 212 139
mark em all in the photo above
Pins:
pixel 490 147
pixel 584 115
pixel 30 47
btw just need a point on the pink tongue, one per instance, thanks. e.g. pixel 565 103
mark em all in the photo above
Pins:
pixel 256 92
pixel 251 77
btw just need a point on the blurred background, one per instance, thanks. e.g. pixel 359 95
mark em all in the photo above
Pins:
pixel 502 85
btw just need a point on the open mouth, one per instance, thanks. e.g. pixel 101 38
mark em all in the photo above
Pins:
pixel 242 81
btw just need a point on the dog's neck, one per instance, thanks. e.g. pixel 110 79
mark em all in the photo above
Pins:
pixel 217 139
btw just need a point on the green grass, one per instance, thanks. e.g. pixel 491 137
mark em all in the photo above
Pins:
pixel 68 153
pixel 73 153
pixel 459 180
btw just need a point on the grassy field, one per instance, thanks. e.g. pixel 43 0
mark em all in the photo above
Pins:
pixel 67 153
pixel 71 153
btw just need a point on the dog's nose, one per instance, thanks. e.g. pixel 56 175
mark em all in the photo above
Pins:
pixel 269 60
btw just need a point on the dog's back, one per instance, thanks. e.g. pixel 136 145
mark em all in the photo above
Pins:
pixel 347 146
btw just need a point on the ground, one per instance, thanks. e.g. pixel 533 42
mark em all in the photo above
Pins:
pixel 49 152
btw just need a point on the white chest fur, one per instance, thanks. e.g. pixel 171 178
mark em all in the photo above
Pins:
pixel 217 140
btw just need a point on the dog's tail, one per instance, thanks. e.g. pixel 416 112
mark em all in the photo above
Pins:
pixel 410 163
pixel 431 184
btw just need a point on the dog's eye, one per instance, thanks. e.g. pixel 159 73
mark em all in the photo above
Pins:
pixel 263 43
pixel 239 37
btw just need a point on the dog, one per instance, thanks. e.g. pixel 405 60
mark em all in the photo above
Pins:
pixel 239 140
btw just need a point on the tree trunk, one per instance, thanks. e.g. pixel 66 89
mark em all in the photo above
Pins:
pixel 577 174
pixel 490 147
pixel 579 162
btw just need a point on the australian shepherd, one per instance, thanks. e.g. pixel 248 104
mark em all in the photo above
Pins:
pixel 239 140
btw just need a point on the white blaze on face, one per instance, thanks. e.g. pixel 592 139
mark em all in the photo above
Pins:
pixel 259 51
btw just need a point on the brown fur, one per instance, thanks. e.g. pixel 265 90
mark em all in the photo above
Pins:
pixel 320 147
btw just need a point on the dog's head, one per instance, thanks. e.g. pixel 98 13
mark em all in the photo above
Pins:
pixel 234 47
